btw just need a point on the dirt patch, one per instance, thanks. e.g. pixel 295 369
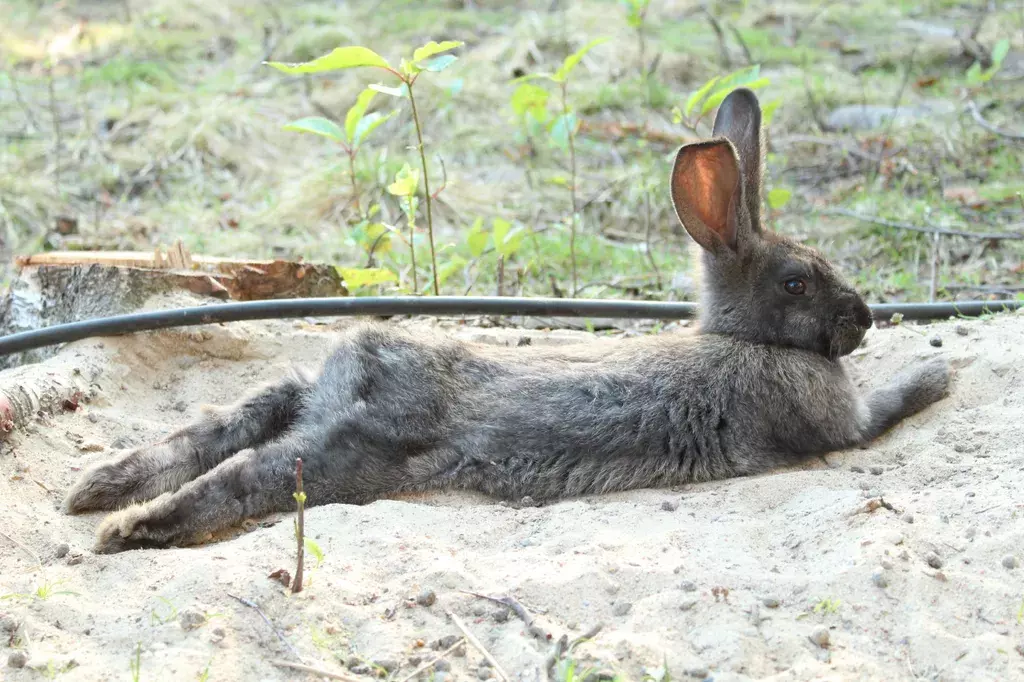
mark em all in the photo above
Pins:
pixel 800 574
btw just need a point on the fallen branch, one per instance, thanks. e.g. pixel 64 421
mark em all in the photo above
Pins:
pixel 471 638
pixel 430 664
pixel 921 228
pixel 975 113
pixel 319 672
pixel 513 605
pixel 618 131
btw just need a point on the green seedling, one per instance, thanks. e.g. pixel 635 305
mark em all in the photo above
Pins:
pixel 358 127
pixel 432 57
pixel 977 76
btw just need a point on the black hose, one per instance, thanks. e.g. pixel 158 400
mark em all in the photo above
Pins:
pixel 427 305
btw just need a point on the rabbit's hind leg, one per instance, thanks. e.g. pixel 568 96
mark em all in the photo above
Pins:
pixel 146 472
pixel 252 483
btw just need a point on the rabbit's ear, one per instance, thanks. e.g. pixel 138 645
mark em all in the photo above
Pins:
pixel 739 121
pixel 706 192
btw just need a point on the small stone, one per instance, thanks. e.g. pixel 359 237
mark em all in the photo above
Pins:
pixel 886 564
pixel 821 637
pixel 445 642
pixel 622 608
pixel 933 560
pixel 771 602
pixel 527 502
pixel 442 666
pixel 1010 562
pixel 17 659
pixel 74 558
pixel 936 341
pixel 687 604
pixel 960 330
pixel 908 518
pixel 879 579
pixel 217 635
pixel 388 664
pixel 500 615
pixel 698 671
pixel 91 446
pixel 180 406
pixel 669 506
pixel 190 619
pixel 361 669
pixel 857 469
pixel 92 417
pixel 688 586
pixel 426 598
pixel 484 673
pixel 876 470
pixel 62 550
pixel 8 625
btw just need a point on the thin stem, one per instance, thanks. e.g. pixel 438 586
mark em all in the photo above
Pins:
pixel 571 134
pixel 352 176
pixel 426 191
pixel 300 529
pixel 57 134
pixel 411 218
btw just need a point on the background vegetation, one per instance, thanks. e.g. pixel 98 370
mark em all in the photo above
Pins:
pixel 124 125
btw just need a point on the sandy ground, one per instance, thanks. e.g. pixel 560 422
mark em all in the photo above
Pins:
pixel 927 589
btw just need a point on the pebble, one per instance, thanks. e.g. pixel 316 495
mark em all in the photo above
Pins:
pixel 190 619
pixel 75 558
pixel 17 659
pixel 62 550
pixel 821 637
pixel 445 642
pixel 876 470
pixel 388 664
pixel 217 635
pixel 669 506
pixel 442 666
pixel 933 560
pixel 426 598
pixel 879 579
pixel 960 329
pixel 91 446
pixel 484 673
pixel 1010 562
pixel 857 469
pixel 936 341
pixel 908 518
pixel 886 564
pixel 8 625
pixel 92 417
pixel 688 586
pixel 500 615
pixel 771 602
pixel 180 406
pixel 698 671
pixel 687 604
pixel 622 608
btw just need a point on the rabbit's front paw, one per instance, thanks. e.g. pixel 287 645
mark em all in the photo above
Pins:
pixel 926 383
pixel 122 530
pixel 104 487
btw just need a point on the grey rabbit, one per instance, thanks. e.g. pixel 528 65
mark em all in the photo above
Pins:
pixel 759 386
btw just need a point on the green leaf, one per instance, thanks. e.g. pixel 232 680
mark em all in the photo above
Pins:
pixel 406 182
pixel 299 497
pixel 313 548
pixel 374 236
pixel 777 198
pixel 768 111
pixel 501 228
pixel 339 58
pixel 438 64
pixel 719 95
pixel 355 114
pixel 370 123
pixel 572 60
pixel 432 48
pixel 512 241
pixel 562 127
pixel 699 95
pixel 449 268
pixel 477 238
pixel 401 91
pixel 530 98
pixel 318 126
pixel 999 52
pixel 356 278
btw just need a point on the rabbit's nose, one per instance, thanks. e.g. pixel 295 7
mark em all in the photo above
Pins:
pixel 862 313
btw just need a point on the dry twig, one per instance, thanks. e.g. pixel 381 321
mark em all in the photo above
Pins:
pixel 270 624
pixel 471 638
pixel 319 672
pixel 975 113
pixel 300 527
pixel 430 664
pixel 921 228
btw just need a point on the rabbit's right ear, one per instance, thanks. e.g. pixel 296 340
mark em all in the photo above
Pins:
pixel 706 191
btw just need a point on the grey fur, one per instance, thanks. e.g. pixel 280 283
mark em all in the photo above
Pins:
pixel 761 385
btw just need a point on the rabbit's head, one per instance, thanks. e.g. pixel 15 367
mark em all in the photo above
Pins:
pixel 757 285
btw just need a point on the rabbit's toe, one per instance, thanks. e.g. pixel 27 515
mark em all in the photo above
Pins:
pixel 100 488
pixel 929 382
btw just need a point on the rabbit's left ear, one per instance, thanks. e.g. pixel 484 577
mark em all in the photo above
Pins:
pixel 739 121
pixel 706 191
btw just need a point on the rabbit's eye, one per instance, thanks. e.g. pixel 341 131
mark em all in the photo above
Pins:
pixel 796 287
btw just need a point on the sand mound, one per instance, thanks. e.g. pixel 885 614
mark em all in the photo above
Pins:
pixel 796 575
